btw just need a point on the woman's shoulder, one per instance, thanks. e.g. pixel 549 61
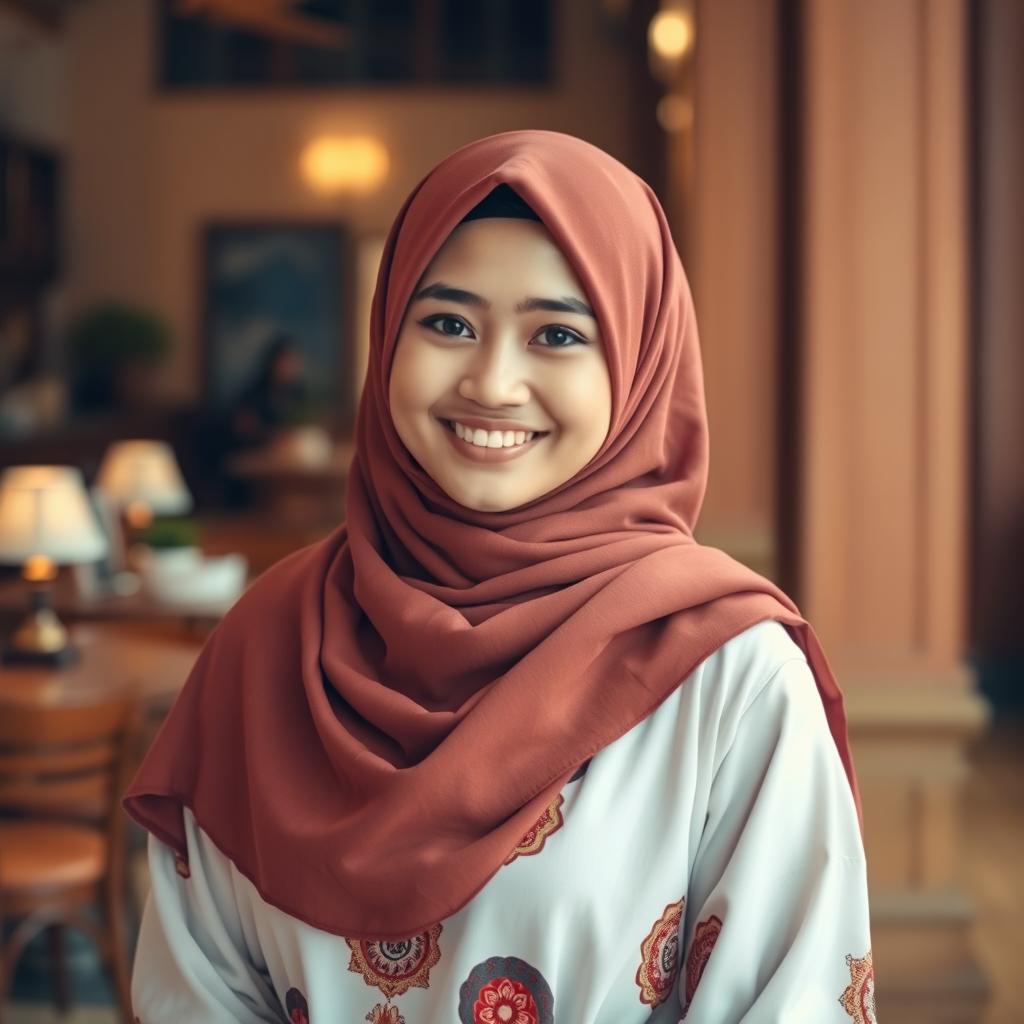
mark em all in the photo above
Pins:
pixel 732 677
pixel 748 660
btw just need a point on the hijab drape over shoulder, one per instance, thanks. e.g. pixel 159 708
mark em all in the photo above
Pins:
pixel 383 715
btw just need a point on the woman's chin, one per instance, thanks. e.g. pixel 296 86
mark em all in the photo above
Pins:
pixel 496 496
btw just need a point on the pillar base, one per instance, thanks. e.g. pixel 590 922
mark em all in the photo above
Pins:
pixel 909 743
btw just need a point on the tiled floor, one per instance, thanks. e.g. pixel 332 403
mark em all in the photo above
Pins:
pixel 994 855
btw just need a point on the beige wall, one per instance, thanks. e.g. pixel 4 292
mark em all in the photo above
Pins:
pixel 149 169
pixel 734 269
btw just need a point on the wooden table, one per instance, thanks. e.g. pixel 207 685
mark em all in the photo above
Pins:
pixel 72 606
pixel 299 496
pixel 148 661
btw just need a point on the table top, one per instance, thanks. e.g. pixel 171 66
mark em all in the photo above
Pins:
pixel 116 657
pixel 278 466
pixel 69 603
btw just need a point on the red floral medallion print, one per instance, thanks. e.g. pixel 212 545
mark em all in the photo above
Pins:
pixel 858 999
pixel 296 1007
pixel 385 1013
pixel 181 866
pixel 533 842
pixel 505 1000
pixel 705 936
pixel 659 956
pixel 395 967
pixel 506 990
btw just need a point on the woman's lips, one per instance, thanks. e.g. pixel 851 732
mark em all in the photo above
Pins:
pixel 477 454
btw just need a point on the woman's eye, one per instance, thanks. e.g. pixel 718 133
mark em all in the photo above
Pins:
pixel 455 327
pixel 561 337
pixel 450 325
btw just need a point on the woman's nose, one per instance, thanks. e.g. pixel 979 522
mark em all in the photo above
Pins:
pixel 495 377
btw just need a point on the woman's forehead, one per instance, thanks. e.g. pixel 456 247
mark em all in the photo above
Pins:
pixel 505 254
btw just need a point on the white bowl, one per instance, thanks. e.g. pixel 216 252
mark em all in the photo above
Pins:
pixel 214 581
pixel 186 557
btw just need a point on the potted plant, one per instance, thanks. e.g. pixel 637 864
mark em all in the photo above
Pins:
pixel 171 541
pixel 114 351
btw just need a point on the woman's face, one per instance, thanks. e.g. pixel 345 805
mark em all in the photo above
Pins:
pixel 499 339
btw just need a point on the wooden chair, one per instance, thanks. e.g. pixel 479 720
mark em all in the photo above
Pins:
pixel 62 772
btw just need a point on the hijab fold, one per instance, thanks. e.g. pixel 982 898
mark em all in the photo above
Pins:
pixel 383 715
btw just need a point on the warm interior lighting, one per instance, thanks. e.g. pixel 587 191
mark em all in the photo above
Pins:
pixel 675 113
pixel 39 569
pixel 670 34
pixel 138 514
pixel 336 164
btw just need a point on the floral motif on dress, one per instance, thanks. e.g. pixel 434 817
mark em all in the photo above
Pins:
pixel 506 990
pixel 296 1007
pixel 181 865
pixel 385 1013
pixel 659 956
pixel 396 966
pixel 705 935
pixel 549 822
pixel 858 999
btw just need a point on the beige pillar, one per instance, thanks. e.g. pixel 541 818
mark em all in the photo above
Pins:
pixel 885 419
pixel 731 244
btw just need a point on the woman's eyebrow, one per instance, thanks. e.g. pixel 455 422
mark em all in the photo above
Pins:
pixel 439 290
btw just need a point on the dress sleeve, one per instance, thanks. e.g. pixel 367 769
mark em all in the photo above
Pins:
pixel 192 961
pixel 776 918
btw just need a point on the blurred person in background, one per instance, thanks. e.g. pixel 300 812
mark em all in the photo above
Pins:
pixel 277 394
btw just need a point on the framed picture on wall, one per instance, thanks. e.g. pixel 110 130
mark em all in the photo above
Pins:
pixel 269 286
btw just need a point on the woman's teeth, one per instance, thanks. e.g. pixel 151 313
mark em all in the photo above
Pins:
pixel 492 438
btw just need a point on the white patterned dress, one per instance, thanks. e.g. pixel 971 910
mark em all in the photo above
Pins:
pixel 707 865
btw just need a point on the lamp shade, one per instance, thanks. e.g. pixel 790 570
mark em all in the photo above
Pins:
pixel 44 510
pixel 147 472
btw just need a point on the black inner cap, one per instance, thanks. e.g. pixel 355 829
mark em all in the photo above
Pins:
pixel 501 201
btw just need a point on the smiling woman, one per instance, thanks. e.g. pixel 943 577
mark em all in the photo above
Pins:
pixel 498 401
pixel 509 745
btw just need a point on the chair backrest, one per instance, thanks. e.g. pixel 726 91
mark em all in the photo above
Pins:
pixel 64 761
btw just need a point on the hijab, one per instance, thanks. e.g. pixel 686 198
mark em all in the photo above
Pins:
pixel 383 715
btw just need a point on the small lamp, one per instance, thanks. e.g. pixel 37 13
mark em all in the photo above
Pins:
pixel 45 521
pixel 144 479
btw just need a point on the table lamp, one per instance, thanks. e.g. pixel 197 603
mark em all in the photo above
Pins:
pixel 45 521
pixel 143 478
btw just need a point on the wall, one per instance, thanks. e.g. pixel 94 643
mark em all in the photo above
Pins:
pixel 734 272
pixel 998 612
pixel 149 169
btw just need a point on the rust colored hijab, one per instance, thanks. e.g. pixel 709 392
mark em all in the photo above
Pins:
pixel 384 714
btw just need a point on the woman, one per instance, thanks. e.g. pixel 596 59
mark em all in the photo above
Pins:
pixel 277 394
pixel 509 745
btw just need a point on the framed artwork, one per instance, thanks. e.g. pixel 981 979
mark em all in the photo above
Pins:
pixel 267 281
